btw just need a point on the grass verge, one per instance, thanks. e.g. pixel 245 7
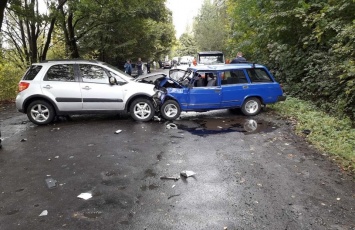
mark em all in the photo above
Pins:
pixel 329 134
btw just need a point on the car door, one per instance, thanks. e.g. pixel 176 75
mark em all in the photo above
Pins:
pixel 97 92
pixel 203 96
pixel 235 87
pixel 60 85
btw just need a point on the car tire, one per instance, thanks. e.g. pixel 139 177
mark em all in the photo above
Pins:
pixel 40 112
pixel 251 106
pixel 170 110
pixel 142 110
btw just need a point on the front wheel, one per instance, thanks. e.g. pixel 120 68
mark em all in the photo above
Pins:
pixel 170 110
pixel 40 112
pixel 142 109
pixel 251 106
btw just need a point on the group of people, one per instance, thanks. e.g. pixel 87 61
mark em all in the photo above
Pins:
pixel 139 65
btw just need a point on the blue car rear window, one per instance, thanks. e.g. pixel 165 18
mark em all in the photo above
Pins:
pixel 259 75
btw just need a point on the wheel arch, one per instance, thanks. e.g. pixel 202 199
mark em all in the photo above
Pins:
pixel 134 97
pixel 256 96
pixel 169 97
pixel 32 98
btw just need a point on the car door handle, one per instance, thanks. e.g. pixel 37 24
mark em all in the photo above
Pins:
pixel 217 90
pixel 245 87
pixel 87 88
pixel 47 87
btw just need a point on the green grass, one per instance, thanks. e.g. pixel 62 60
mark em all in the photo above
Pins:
pixel 331 135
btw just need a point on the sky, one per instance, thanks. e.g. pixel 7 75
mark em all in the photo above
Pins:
pixel 183 13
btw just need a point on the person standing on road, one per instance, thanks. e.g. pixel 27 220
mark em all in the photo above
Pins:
pixel 139 65
pixel 128 67
pixel 239 58
pixel 148 66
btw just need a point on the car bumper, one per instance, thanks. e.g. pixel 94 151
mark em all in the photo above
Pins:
pixel 281 98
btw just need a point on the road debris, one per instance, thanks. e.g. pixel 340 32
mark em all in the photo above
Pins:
pixel 156 118
pixel 171 126
pixel 51 183
pixel 173 196
pixel 23 140
pixel 118 131
pixel 170 178
pixel 187 173
pixel 85 195
pixel 44 213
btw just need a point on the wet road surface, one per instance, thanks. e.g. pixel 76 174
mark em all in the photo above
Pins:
pixel 250 174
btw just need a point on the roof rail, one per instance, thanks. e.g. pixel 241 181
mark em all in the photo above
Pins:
pixel 69 60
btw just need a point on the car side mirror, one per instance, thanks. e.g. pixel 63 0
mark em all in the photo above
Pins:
pixel 113 81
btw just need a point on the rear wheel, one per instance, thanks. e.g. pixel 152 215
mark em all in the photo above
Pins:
pixel 40 112
pixel 142 109
pixel 251 106
pixel 170 110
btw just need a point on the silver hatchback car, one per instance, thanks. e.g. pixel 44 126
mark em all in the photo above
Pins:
pixel 67 87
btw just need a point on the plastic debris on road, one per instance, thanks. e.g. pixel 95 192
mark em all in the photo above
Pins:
pixel 44 213
pixel 23 140
pixel 51 183
pixel 85 195
pixel 170 177
pixel 187 173
pixel 118 131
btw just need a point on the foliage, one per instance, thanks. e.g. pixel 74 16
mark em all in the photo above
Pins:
pixel 107 30
pixel 210 27
pixel 330 134
pixel 10 75
pixel 308 45
pixel 187 45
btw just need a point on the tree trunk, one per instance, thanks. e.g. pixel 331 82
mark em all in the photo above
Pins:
pixel 2 9
pixel 73 48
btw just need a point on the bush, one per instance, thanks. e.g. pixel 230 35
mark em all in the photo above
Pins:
pixel 9 79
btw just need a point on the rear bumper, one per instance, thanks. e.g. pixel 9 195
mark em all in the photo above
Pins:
pixel 281 98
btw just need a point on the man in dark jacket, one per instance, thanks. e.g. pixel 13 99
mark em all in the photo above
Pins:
pixel 239 58
pixel 139 65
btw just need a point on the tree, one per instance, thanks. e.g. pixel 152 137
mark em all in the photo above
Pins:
pixel 210 27
pixel 187 45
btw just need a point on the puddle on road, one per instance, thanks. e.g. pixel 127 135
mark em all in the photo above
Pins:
pixel 209 126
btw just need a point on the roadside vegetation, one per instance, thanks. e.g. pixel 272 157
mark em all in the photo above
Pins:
pixel 329 134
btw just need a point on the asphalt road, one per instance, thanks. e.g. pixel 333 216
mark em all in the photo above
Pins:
pixel 250 174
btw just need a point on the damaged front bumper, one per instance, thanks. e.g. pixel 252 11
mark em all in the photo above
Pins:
pixel 158 99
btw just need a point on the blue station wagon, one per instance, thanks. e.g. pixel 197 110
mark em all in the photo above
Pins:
pixel 230 86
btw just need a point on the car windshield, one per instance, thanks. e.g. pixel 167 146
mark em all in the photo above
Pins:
pixel 211 59
pixel 183 77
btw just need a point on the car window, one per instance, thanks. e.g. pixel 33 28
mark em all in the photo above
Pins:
pixel 120 81
pixel 203 79
pixel 32 72
pixel 93 74
pixel 258 75
pixel 61 72
pixel 233 77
